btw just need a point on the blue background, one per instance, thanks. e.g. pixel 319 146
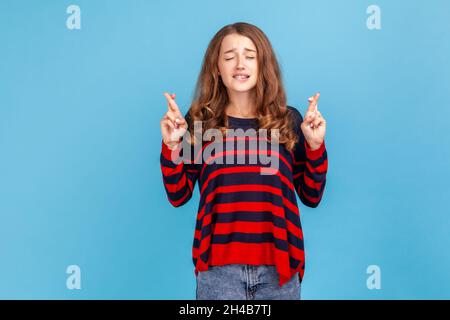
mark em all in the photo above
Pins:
pixel 80 181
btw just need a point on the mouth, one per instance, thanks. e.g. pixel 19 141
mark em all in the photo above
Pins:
pixel 241 77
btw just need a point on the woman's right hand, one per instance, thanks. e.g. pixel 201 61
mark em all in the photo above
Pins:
pixel 173 124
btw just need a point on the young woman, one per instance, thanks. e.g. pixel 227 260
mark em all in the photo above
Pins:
pixel 248 240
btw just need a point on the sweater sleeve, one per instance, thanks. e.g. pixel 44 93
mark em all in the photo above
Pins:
pixel 310 167
pixel 179 175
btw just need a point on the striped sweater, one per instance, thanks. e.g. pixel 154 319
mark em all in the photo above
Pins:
pixel 245 216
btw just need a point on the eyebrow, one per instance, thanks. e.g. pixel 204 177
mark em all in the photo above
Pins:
pixel 231 50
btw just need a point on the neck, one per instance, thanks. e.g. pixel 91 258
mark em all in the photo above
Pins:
pixel 241 104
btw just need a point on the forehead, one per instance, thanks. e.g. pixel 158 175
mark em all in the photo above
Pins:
pixel 237 42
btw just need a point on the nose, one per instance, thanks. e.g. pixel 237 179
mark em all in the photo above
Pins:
pixel 239 66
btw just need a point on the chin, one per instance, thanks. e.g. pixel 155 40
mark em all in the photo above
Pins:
pixel 243 88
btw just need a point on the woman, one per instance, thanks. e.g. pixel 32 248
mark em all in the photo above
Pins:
pixel 248 240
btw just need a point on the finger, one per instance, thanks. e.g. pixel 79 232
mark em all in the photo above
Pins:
pixel 176 119
pixel 171 118
pixel 174 108
pixel 317 122
pixel 172 114
pixel 312 98
pixel 317 100
pixel 310 116
pixel 312 106
pixel 172 104
pixel 181 122
pixel 313 120
pixel 168 122
pixel 313 117
pixel 169 100
pixel 313 102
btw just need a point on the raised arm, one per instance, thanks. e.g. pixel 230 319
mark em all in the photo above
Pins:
pixel 310 155
pixel 178 177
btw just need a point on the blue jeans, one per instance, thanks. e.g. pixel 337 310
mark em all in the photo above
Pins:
pixel 245 282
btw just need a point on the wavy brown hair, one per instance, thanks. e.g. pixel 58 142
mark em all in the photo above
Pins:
pixel 211 97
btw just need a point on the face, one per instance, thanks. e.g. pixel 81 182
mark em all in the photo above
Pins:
pixel 238 65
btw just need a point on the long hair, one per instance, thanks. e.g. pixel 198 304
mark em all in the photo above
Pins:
pixel 211 97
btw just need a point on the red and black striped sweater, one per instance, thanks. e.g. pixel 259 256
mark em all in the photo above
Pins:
pixel 246 216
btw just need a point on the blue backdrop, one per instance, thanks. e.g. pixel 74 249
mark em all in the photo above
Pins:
pixel 80 181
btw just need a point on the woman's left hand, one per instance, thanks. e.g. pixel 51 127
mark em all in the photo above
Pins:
pixel 313 125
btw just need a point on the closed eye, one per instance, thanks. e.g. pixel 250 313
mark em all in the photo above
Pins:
pixel 247 58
